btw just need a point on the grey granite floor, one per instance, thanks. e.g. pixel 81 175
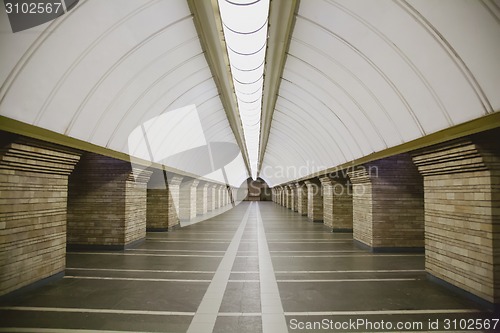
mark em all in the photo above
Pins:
pixel 255 268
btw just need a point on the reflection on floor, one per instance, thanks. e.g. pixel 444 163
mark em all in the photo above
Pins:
pixel 258 267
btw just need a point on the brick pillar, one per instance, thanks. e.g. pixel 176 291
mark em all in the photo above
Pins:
pixel 462 210
pixel 221 194
pixel 314 201
pixel 287 196
pixel 293 197
pixel 161 213
pixel 388 206
pixel 212 197
pixel 107 203
pixel 202 199
pixel 187 199
pixel 34 184
pixel 301 198
pixel 337 203
pixel 174 186
pixel 224 195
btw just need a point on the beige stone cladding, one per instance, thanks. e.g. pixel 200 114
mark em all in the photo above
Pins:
pixel 337 203
pixel 187 199
pixel 388 205
pixel 202 199
pixel 107 202
pixel 301 189
pixel 462 209
pixel 161 211
pixel 314 201
pixel 34 188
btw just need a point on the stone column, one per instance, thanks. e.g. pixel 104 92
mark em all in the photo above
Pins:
pixel 293 197
pixel 220 196
pixel 212 197
pixel 288 196
pixel 314 201
pixel 161 214
pixel 107 203
pixel 187 199
pixel 34 184
pixel 388 206
pixel 202 199
pixel 337 203
pixel 301 189
pixel 224 195
pixel 462 210
pixel 174 187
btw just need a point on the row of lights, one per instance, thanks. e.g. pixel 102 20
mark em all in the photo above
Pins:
pixel 245 31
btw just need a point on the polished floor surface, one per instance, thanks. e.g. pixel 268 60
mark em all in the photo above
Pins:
pixel 256 268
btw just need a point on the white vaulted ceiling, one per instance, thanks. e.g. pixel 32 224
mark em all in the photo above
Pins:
pixel 109 70
pixel 358 77
pixel 363 76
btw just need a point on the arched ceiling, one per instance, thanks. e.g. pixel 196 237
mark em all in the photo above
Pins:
pixel 126 75
pixel 343 79
pixel 364 76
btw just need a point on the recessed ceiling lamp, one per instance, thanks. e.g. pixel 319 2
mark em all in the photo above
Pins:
pixel 245 31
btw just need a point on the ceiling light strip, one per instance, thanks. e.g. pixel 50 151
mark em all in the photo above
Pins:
pixel 245 38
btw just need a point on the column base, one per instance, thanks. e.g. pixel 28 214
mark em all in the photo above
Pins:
pixel 103 247
pixel 168 229
pixel 381 249
pixel 342 230
pixel 14 295
pixel 487 304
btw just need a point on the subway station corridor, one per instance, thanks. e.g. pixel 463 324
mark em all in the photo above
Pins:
pixel 249 166
pixel 255 268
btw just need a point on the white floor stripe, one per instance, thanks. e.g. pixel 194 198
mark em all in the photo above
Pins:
pixel 252 281
pixel 346 280
pixel 380 312
pixel 240 314
pixel 192 242
pixel 353 271
pixel 131 279
pixel 226 240
pixel 307 239
pixel 326 251
pixel 235 314
pixel 206 315
pixel 85 310
pixel 158 250
pixel 372 255
pixel 56 330
pixel 312 242
pixel 273 318
pixel 136 270
pixel 146 254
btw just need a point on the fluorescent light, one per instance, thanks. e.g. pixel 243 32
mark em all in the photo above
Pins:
pixel 245 31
